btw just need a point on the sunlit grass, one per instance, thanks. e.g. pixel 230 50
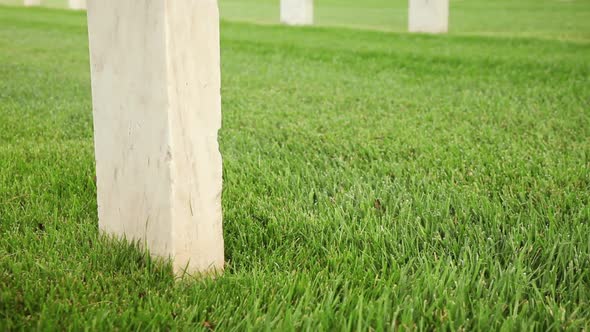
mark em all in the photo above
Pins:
pixel 371 181
pixel 557 19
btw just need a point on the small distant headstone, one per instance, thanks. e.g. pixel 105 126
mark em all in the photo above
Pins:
pixel 30 3
pixel 77 4
pixel 155 69
pixel 297 12
pixel 428 16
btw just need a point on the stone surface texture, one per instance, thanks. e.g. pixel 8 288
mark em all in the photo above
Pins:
pixel 428 16
pixel 155 68
pixel 297 12
pixel 30 3
pixel 77 4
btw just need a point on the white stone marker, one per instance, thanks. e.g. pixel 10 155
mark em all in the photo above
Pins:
pixel 429 16
pixel 297 12
pixel 77 4
pixel 155 68
pixel 30 3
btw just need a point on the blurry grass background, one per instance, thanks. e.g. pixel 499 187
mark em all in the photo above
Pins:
pixel 565 19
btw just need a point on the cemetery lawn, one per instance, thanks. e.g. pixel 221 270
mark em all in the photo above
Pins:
pixel 372 181
pixel 555 19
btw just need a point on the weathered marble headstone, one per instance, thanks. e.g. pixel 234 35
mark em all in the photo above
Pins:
pixel 429 16
pixel 77 4
pixel 30 3
pixel 297 12
pixel 155 69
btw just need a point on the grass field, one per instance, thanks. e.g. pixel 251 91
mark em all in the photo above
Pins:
pixel 563 19
pixel 372 181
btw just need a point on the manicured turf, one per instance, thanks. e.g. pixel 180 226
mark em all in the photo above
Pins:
pixel 564 19
pixel 372 181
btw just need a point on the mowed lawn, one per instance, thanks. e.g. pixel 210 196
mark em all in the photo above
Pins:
pixel 563 19
pixel 372 181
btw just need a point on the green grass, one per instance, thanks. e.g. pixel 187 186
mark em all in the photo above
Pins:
pixel 568 19
pixel 564 19
pixel 371 181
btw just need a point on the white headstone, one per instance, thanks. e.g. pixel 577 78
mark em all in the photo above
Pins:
pixel 155 69
pixel 297 12
pixel 429 16
pixel 30 3
pixel 77 4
